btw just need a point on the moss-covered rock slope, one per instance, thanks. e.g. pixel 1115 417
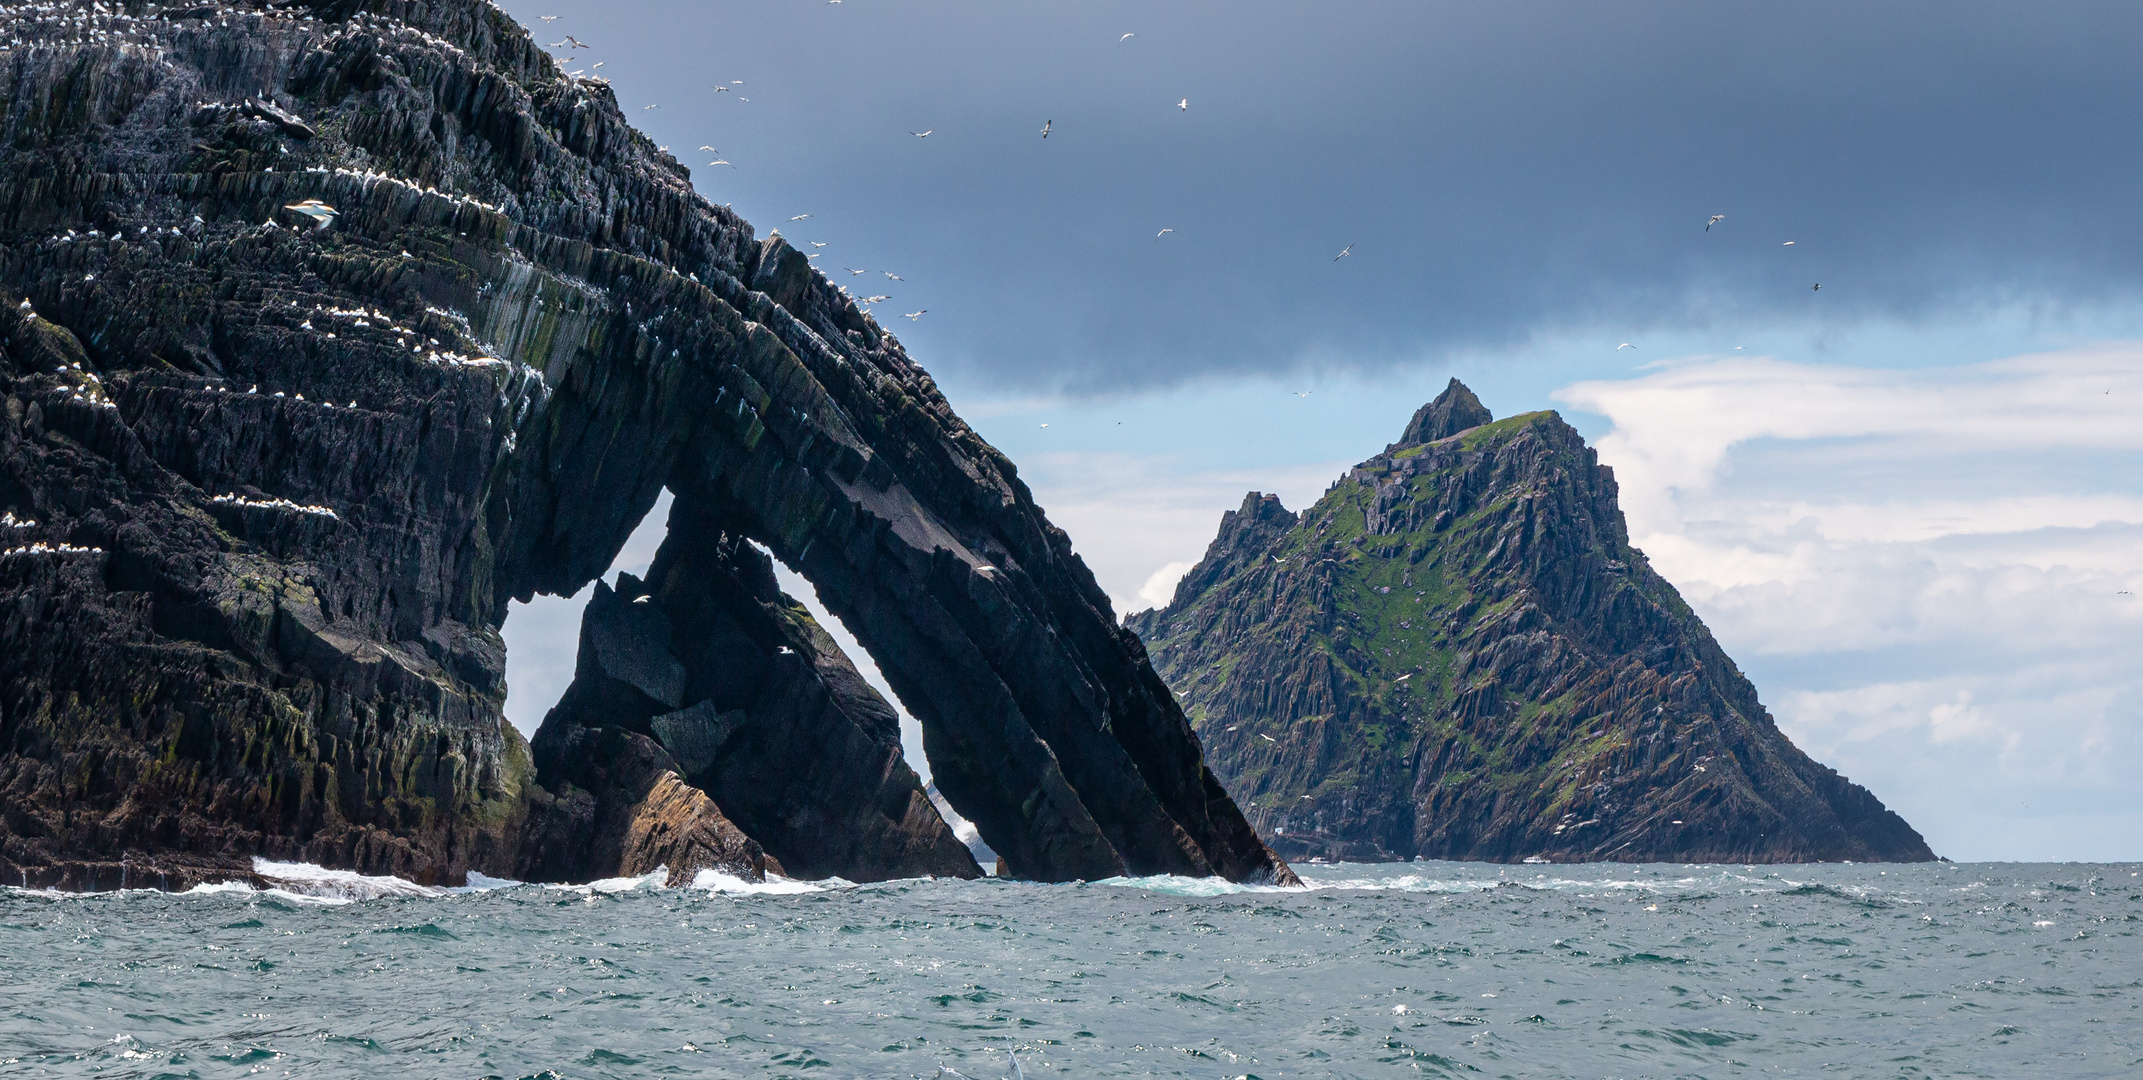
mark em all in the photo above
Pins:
pixel 1457 654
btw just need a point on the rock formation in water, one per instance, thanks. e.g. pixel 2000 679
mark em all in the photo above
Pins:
pixel 326 331
pixel 756 706
pixel 1457 654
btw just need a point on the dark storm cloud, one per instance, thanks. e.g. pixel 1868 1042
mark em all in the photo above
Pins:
pixel 1505 170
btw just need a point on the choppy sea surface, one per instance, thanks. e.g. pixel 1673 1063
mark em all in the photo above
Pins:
pixel 1438 969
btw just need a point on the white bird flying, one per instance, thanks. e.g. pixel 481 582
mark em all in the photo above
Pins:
pixel 914 315
pixel 1045 425
pixel 892 276
pixel 1046 125
pixel 1343 253
pixel 1715 219
pixel 815 243
pixel 321 213
pixel 721 89
pixel 721 161
pixel 853 271
pixel 1125 38
pixel 1184 105
pixel 922 134
pixel 1300 394
pixel 1817 287
pixel 710 149
pixel 644 108
pixel 548 18
pixel 1624 345
pixel 573 41
pixel 1788 243
pixel 876 299
pixel 1164 232
pixel 799 217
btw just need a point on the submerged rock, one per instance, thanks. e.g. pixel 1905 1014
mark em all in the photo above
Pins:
pixel 283 475
pixel 1457 654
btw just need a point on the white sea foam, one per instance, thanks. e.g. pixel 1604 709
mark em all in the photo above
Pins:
pixel 320 883
pixel 486 883
pixel 1329 879
pixel 653 879
pixel 774 885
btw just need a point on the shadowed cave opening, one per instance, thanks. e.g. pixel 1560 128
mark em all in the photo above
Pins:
pixel 542 638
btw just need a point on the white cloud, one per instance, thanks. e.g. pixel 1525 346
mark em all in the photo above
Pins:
pixel 1141 522
pixel 1924 570
pixel 1160 586
pixel 1674 428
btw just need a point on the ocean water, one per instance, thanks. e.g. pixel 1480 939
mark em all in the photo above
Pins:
pixel 1436 969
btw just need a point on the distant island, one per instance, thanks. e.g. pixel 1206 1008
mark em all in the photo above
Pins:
pixel 1456 654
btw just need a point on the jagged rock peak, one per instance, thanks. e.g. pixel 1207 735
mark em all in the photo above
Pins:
pixel 1453 411
pixel 1456 653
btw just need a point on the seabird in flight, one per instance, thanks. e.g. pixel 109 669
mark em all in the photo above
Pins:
pixel 1715 219
pixel 321 213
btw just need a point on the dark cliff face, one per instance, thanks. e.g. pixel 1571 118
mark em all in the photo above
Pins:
pixel 273 479
pixel 758 708
pixel 1457 654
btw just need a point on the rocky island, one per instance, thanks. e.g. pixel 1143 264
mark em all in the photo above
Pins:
pixel 1456 654
pixel 327 330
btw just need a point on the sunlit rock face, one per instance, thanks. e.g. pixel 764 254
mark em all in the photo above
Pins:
pixel 1456 654
pixel 330 330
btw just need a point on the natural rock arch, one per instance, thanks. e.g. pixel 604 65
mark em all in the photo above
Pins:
pixel 282 481
pixel 1041 720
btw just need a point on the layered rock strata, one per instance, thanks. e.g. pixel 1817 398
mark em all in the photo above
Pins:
pixel 1456 653
pixel 755 706
pixel 327 331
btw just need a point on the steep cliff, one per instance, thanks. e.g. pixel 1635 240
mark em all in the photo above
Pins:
pixel 1456 653
pixel 757 707
pixel 328 330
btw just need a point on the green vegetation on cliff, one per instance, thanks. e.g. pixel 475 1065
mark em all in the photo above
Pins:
pixel 1456 653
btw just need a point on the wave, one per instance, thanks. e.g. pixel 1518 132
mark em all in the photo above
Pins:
pixel 1329 879
pixel 774 885
pixel 309 883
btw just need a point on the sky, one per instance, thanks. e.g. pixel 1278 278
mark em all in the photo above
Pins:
pixel 1909 503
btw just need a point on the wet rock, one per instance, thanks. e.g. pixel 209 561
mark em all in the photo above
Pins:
pixel 621 808
pixel 1456 653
